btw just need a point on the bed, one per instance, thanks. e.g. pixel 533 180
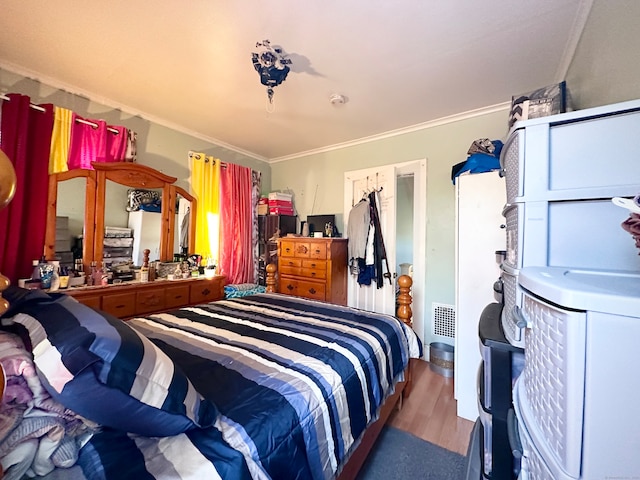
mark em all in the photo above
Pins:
pixel 261 386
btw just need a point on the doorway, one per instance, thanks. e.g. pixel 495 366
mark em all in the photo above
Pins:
pixel 402 200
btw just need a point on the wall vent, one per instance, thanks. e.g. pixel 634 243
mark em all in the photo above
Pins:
pixel 444 319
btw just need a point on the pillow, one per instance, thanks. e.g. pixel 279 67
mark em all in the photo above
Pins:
pixel 242 290
pixel 103 369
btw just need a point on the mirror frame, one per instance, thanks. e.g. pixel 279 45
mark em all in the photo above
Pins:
pixel 124 173
pixel 88 239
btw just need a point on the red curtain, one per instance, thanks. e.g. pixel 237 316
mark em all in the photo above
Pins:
pixel 236 224
pixel 25 136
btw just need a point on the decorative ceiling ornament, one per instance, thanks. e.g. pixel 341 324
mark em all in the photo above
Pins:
pixel 271 65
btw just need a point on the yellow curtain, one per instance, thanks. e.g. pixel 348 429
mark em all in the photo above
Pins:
pixel 205 186
pixel 60 139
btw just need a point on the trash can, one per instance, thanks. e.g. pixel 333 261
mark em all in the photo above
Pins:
pixel 441 358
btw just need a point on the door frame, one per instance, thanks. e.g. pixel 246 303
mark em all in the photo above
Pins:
pixel 418 168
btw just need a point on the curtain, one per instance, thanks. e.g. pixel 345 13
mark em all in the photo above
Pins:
pixel 26 139
pixel 255 198
pixel 237 224
pixel 205 186
pixel 60 140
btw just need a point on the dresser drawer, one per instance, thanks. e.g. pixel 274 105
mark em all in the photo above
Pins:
pixel 291 262
pixel 301 288
pixel 289 248
pixel 205 292
pixel 318 250
pixel 176 296
pixel 121 305
pixel 314 264
pixel 149 301
pixel 314 290
pixel 313 273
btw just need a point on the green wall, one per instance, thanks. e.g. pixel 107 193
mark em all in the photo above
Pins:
pixel 605 68
pixel 443 146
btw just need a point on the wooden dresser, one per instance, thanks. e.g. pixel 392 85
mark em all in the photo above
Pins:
pixel 313 268
pixel 134 298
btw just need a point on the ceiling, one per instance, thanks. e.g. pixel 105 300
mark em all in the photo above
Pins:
pixel 187 65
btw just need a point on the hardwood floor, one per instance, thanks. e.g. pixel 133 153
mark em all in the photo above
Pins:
pixel 430 411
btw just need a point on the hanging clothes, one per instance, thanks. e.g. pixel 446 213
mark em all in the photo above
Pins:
pixel 366 244
pixel 379 250
pixel 358 228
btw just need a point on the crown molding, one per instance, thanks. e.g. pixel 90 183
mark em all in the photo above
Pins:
pixel 400 131
pixel 93 97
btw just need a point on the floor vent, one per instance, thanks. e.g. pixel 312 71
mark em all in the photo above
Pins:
pixel 444 320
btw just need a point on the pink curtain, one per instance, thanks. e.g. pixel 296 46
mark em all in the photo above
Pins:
pixel 236 224
pixel 26 139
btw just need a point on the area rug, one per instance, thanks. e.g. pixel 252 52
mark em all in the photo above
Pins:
pixel 398 454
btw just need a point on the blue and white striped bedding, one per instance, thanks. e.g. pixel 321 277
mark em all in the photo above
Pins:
pixel 295 383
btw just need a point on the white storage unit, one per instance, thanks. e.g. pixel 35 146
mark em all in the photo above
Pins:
pixel 479 198
pixel 576 400
pixel 561 173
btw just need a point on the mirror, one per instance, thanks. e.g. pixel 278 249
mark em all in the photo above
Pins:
pixel 64 187
pixel 105 202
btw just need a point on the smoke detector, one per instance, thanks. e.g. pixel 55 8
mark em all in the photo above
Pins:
pixel 337 99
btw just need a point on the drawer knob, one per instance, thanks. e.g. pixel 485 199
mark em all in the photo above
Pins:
pixel 312 291
pixel 313 274
pixel 206 291
pixel 289 287
pixel 313 265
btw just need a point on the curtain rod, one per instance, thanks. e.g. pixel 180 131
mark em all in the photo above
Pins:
pixel 206 159
pixel 79 120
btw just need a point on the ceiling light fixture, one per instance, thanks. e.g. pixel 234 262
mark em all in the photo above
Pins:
pixel 271 64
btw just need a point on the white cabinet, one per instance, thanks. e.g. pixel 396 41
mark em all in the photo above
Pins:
pixel 146 228
pixel 479 201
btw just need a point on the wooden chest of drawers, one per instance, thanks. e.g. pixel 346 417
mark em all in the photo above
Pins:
pixel 131 299
pixel 313 268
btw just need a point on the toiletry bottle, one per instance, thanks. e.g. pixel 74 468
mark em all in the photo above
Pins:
pixel 55 276
pixel 144 270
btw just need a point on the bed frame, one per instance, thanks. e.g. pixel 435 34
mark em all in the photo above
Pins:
pixel 402 389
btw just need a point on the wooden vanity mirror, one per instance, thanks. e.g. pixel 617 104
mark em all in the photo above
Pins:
pixel 97 184
pixel 55 184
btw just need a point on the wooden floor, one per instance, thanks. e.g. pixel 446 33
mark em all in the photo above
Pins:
pixel 430 411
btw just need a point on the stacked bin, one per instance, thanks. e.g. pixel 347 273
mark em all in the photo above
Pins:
pixel 561 173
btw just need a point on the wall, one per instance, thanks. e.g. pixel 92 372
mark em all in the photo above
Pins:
pixel 159 147
pixel 317 182
pixel 605 67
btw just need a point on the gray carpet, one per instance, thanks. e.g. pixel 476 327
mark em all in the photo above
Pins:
pixel 398 454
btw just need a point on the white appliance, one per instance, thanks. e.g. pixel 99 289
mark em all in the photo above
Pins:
pixel 479 200
pixel 577 399
pixel 561 173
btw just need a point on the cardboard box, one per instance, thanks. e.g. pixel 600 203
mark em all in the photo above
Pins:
pixel 280 196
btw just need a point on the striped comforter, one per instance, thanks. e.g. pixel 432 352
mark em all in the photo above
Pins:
pixel 296 382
